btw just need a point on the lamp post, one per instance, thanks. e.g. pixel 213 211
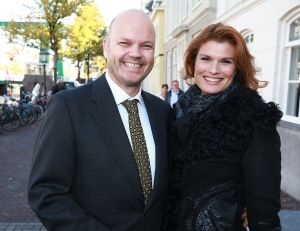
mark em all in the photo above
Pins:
pixel 44 60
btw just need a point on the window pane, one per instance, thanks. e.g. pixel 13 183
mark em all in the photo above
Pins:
pixel 295 64
pixel 174 56
pixel 295 30
pixel 176 13
pixel 249 39
pixel 186 7
pixel 293 99
pixel 169 70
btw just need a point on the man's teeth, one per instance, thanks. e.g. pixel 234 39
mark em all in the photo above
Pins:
pixel 133 65
pixel 212 79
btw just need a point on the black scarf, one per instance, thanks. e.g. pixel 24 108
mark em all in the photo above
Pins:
pixel 192 101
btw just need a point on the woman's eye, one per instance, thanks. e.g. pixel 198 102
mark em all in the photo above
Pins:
pixel 226 61
pixel 204 58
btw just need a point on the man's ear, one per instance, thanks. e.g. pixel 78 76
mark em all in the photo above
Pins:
pixel 105 45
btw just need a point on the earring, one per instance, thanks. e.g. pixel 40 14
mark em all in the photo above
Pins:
pixel 190 81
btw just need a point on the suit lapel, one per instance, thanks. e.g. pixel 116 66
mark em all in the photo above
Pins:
pixel 109 121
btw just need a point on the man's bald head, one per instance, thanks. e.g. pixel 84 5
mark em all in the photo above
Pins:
pixel 130 15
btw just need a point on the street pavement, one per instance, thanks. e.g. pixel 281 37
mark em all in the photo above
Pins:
pixel 15 215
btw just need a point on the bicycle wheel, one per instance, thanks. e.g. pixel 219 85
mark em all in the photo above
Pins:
pixel 31 115
pixel 24 117
pixel 39 111
pixel 12 122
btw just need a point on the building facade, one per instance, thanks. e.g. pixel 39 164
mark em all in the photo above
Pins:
pixel 271 29
pixel 157 76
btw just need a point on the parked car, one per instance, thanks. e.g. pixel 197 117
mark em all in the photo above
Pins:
pixel 69 85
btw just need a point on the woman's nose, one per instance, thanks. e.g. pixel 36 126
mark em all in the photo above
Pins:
pixel 214 68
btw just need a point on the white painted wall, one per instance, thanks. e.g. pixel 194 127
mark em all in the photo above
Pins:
pixel 262 17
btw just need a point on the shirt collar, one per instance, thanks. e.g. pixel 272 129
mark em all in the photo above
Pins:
pixel 120 95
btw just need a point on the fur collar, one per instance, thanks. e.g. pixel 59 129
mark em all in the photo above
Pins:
pixel 226 126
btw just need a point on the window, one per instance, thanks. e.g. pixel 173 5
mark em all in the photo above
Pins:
pixel 174 63
pixel 249 39
pixel 185 8
pixel 181 50
pixel 168 13
pixel 169 67
pixel 157 41
pixel 176 13
pixel 293 96
pixel 295 30
pixel 180 54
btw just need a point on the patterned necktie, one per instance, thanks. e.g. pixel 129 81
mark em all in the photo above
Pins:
pixel 139 147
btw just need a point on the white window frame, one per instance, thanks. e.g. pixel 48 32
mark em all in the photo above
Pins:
pixel 288 46
pixel 175 63
pixel 250 44
pixel 246 33
pixel 185 9
pixel 169 21
pixel 176 13
pixel 180 62
pixel 169 67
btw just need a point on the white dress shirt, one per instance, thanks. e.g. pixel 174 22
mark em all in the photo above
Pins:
pixel 174 97
pixel 120 96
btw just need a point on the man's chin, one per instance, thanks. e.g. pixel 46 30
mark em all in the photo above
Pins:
pixel 136 83
pixel 135 79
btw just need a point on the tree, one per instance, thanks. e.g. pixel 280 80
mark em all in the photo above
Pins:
pixel 84 49
pixel 100 63
pixel 44 27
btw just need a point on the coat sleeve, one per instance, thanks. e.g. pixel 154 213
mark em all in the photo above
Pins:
pixel 261 176
pixel 52 174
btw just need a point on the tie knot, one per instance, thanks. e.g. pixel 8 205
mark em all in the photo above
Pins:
pixel 131 105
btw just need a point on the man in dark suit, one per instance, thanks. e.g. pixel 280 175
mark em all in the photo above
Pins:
pixel 84 174
pixel 174 93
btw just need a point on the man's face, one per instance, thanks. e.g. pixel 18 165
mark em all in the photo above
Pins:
pixel 175 86
pixel 129 50
pixel 164 90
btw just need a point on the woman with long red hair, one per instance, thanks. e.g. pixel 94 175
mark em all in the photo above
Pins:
pixel 225 149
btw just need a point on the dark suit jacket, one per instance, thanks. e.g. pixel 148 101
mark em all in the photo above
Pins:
pixel 169 95
pixel 84 175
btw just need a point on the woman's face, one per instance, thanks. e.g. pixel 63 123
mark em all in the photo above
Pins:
pixel 214 67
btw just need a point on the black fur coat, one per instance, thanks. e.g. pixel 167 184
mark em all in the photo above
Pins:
pixel 223 159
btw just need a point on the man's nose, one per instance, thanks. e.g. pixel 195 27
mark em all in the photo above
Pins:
pixel 135 51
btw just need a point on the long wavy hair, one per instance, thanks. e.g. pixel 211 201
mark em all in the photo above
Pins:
pixel 244 61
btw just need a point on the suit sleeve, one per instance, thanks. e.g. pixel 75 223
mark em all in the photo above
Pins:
pixel 52 174
pixel 261 171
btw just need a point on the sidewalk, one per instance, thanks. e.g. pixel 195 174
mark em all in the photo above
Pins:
pixel 290 221
pixel 24 226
